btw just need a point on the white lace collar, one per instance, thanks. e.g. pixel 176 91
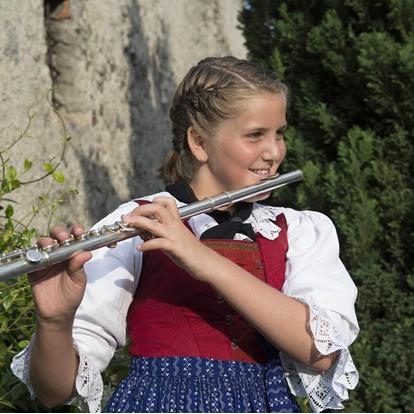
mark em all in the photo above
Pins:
pixel 262 220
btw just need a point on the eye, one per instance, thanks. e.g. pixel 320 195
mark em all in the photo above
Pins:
pixel 255 134
pixel 280 133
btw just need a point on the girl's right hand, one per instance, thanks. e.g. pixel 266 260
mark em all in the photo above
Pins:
pixel 58 290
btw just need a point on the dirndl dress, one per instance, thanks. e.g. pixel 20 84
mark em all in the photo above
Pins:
pixel 177 373
pixel 193 384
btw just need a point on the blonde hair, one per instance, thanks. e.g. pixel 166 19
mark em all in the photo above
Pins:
pixel 209 93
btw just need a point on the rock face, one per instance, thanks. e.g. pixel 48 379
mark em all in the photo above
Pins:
pixel 113 67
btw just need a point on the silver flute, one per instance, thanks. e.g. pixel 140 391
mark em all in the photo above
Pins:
pixel 34 258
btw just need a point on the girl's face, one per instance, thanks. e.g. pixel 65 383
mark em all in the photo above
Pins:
pixel 244 149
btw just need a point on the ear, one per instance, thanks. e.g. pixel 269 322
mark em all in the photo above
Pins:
pixel 196 143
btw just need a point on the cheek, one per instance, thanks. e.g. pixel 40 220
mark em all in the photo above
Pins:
pixel 282 150
pixel 238 154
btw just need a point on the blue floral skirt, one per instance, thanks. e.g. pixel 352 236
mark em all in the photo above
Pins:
pixel 192 384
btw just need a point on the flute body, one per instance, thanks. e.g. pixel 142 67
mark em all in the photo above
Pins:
pixel 29 260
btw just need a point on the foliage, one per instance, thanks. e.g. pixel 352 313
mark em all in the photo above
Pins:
pixel 17 315
pixel 17 312
pixel 350 68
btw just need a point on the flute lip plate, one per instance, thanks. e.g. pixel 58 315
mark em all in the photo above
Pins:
pixel 271 177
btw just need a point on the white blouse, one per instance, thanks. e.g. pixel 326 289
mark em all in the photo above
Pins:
pixel 314 275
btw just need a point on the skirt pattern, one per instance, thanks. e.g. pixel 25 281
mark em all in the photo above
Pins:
pixel 193 384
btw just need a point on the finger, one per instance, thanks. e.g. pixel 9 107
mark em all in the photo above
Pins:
pixel 153 210
pixel 145 235
pixel 76 263
pixel 46 241
pixel 59 233
pixel 168 203
pixel 148 226
pixel 73 267
pixel 154 244
pixel 77 230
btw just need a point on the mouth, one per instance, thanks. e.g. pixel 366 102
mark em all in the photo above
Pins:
pixel 261 172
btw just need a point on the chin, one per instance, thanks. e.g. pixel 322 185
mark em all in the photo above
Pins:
pixel 259 197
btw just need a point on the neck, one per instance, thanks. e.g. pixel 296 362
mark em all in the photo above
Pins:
pixel 204 187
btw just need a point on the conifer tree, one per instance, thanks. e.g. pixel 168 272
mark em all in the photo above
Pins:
pixel 350 68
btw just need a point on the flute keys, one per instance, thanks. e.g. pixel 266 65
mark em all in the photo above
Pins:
pixel 50 247
pixel 68 241
pixel 83 236
pixel 94 232
pixel 112 227
pixel 8 257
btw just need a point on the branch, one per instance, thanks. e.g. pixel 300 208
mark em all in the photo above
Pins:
pixel 66 140
pixel 21 136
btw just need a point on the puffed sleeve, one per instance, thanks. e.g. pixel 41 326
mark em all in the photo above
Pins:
pixel 316 276
pixel 100 321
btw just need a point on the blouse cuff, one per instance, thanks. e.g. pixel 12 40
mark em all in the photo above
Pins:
pixel 324 390
pixel 20 366
pixel 89 384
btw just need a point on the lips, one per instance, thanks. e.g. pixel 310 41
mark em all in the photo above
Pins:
pixel 260 171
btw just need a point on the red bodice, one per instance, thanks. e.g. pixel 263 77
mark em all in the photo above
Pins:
pixel 173 314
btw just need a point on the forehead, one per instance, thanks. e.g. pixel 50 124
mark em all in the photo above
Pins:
pixel 264 109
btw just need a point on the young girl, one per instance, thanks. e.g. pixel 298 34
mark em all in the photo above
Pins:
pixel 232 311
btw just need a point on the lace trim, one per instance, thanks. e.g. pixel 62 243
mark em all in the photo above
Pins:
pixel 262 218
pixel 328 389
pixel 89 383
pixel 20 366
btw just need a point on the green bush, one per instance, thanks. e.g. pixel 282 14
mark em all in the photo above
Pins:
pixel 350 67
pixel 17 311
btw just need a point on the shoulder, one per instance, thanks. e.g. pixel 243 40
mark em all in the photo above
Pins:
pixel 309 231
pixel 307 218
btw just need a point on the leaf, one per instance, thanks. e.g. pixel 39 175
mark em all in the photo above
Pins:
pixel 6 403
pixel 59 177
pixel 8 302
pixel 4 324
pixel 11 173
pixel 9 211
pixel 27 165
pixel 42 198
pixel 48 167
pixel 23 344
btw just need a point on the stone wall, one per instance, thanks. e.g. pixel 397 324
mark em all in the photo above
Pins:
pixel 113 66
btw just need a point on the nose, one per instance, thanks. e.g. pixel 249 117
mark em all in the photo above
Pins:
pixel 274 150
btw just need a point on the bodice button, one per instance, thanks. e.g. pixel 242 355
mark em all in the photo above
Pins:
pixel 234 344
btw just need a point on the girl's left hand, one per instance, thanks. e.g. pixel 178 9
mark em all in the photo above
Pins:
pixel 161 220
